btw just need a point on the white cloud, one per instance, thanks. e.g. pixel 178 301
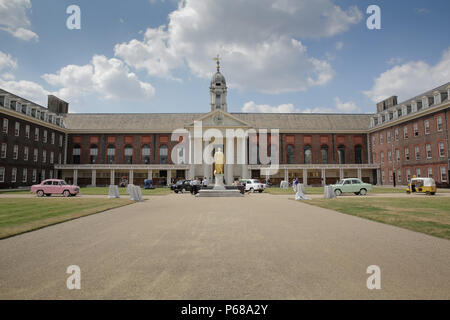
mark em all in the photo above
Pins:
pixel 340 107
pixel 7 76
pixel 7 61
pixel 261 37
pixel 411 78
pixel 346 107
pixel 26 89
pixel 14 19
pixel 339 45
pixel 110 78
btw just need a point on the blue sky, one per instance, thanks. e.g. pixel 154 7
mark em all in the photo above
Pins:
pixel 277 55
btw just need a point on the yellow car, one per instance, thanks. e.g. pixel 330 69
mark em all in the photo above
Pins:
pixel 424 185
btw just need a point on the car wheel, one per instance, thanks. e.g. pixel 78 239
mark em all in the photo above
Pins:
pixel 428 193
pixel 337 192
pixel 260 191
pixel 183 190
pixel 66 193
pixel 40 193
pixel 176 191
pixel 363 192
pixel 252 190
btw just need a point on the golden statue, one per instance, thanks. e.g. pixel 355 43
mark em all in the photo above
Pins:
pixel 219 161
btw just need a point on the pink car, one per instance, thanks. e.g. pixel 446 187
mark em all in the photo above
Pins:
pixel 54 186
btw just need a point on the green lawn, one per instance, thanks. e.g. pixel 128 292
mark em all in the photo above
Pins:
pixel 430 215
pixel 319 190
pixel 103 191
pixel 22 215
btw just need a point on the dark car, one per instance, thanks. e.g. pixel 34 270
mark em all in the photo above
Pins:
pixel 181 186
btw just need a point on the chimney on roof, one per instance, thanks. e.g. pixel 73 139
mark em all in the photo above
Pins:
pixel 57 105
pixel 386 104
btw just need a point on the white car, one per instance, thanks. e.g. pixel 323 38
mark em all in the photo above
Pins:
pixel 253 185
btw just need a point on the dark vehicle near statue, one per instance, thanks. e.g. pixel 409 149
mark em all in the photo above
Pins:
pixel 181 186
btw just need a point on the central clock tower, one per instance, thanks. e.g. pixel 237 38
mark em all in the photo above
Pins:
pixel 218 90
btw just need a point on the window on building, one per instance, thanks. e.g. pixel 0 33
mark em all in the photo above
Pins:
pixel 408 175
pixel 52 138
pixel 389 156
pixel 43 175
pixel 397 155
pixel 163 154
pixel 416 129
pixel 145 154
pixel 441 149
pixel 52 157
pixel 93 154
pixel 24 175
pixel 44 156
pixel 5 126
pixel 443 171
pixel 60 140
pixel 290 154
pixel 36 134
pixel 418 172
pixel 34 175
pixel 383 176
pixel 50 172
pixel 430 172
pixel 14 175
pixel 391 177
pixel 405 132
pixel 381 138
pixel 396 134
pixel 27 131
pixel 45 136
pixel 428 150
pixel 388 138
pixel 2 174
pixel 128 154
pixel 341 154
pixel 439 123
pixel 374 157
pixel 407 154
pixel 358 154
pixel 382 156
pixel 373 140
pixel 427 126
pixel 59 158
pixel 307 155
pixel 111 154
pixel 76 154
pixel 324 154
pixel 17 129
pixel 417 152
pixel 25 153
pixel 399 176
pixel 4 148
pixel 16 152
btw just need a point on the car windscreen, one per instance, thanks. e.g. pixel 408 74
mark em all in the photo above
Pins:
pixel 341 182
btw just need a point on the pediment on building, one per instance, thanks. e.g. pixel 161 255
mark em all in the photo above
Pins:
pixel 221 119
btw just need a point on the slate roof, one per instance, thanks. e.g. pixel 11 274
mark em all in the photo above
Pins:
pixel 166 122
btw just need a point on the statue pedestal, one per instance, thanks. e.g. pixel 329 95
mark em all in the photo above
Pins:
pixel 218 182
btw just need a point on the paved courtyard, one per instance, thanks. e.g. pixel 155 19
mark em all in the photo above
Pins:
pixel 257 247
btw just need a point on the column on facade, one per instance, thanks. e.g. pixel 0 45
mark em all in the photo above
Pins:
pixel 242 157
pixel 305 177
pixel 191 172
pixel 94 178
pixel 378 177
pixel 359 174
pixel 341 173
pixel 169 177
pixel 75 177
pixel 324 177
pixel 131 176
pixel 286 175
pixel 111 177
pixel 150 174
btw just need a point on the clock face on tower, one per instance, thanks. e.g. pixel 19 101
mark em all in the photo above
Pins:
pixel 218 119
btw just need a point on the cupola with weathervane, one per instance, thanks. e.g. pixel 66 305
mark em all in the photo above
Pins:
pixel 218 90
